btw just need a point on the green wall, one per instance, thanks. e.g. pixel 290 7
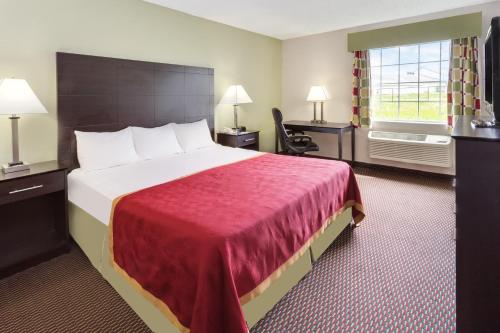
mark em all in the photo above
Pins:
pixel 31 31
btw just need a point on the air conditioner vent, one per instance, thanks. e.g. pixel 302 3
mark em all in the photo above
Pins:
pixel 423 149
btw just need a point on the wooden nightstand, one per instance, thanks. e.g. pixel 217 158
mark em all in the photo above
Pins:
pixel 247 140
pixel 33 216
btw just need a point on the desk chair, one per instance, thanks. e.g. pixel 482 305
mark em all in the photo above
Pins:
pixel 291 142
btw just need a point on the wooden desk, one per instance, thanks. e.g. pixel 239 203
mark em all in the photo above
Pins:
pixel 332 128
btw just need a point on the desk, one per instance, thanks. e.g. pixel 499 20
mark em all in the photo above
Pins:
pixel 332 128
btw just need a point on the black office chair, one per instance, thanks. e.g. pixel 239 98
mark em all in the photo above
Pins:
pixel 291 141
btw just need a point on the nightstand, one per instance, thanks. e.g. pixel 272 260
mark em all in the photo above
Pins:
pixel 247 139
pixel 33 216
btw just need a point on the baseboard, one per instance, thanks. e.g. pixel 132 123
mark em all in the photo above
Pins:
pixel 402 170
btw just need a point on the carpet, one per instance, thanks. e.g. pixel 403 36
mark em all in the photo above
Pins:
pixel 395 272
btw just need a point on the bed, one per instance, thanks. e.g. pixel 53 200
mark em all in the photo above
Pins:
pixel 104 94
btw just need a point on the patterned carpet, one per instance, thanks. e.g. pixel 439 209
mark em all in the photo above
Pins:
pixel 65 294
pixel 395 272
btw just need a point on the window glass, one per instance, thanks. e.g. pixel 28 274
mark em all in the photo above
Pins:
pixel 408 110
pixel 388 111
pixel 408 92
pixel 390 56
pixel 429 92
pixel 445 50
pixel 409 54
pixel 409 82
pixel 375 57
pixel 430 72
pixel 445 68
pixel 390 74
pixel 429 110
pixel 430 52
pixel 389 93
pixel 375 77
pixel 408 73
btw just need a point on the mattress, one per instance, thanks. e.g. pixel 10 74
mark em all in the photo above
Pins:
pixel 94 191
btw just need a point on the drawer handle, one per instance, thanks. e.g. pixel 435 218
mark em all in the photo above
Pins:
pixel 26 189
pixel 248 140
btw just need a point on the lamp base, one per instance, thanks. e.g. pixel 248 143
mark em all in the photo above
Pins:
pixel 239 129
pixel 15 167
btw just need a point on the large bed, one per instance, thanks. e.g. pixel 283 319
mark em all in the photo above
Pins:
pixel 103 94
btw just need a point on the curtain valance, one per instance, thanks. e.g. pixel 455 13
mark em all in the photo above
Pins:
pixel 468 25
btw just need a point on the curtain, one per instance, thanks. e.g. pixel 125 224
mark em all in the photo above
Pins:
pixel 361 89
pixel 463 83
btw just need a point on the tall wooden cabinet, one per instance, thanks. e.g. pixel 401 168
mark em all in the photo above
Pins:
pixel 478 227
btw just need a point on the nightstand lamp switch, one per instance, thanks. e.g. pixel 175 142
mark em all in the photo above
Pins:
pixel 318 94
pixel 17 97
pixel 236 95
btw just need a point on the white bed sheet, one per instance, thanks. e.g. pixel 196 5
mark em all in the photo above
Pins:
pixel 94 191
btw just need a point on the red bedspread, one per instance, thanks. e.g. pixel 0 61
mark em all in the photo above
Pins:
pixel 201 245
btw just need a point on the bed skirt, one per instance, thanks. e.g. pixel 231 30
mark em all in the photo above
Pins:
pixel 92 237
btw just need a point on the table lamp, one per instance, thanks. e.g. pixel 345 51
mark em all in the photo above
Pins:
pixel 17 97
pixel 318 94
pixel 236 95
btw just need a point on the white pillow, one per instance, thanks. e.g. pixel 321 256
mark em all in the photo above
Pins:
pixel 193 136
pixel 104 150
pixel 155 142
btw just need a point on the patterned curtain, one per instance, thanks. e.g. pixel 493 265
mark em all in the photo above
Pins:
pixel 463 83
pixel 361 89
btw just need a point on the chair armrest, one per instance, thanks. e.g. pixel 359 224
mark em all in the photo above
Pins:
pixel 293 132
pixel 300 138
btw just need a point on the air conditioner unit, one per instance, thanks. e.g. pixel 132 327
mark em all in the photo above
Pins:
pixel 423 149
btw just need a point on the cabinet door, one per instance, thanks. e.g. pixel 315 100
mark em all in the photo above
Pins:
pixel 478 235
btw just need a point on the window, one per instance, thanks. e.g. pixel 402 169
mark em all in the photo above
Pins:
pixel 408 83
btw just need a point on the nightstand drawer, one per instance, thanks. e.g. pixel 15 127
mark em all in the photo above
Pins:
pixel 247 139
pixel 29 187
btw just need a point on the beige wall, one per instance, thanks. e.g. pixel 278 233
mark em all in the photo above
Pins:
pixel 31 31
pixel 324 59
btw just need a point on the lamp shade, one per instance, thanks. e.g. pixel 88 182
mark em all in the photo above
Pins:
pixel 318 94
pixel 17 97
pixel 236 95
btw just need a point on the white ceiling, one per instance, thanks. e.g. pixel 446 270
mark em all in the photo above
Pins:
pixel 286 19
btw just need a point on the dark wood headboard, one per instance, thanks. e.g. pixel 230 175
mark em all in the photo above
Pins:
pixel 98 94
